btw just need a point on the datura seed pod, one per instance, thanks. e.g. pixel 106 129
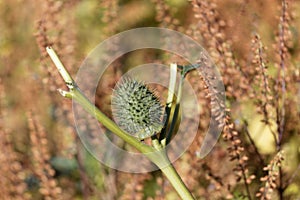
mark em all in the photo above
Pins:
pixel 136 108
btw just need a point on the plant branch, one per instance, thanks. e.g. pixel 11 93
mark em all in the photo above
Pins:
pixel 170 99
pixel 281 72
pixel 155 153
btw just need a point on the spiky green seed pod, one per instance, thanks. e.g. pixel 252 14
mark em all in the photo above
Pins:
pixel 136 109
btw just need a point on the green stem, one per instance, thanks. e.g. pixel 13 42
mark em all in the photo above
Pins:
pixel 177 182
pixel 169 103
pixel 175 117
pixel 108 123
pixel 155 153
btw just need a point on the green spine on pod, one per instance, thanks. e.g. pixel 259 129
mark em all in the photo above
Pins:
pixel 136 108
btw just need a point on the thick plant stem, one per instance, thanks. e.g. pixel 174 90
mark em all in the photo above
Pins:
pixel 174 178
pixel 177 182
pixel 158 157
pixel 156 154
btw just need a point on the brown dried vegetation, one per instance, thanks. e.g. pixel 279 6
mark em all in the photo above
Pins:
pixel 254 44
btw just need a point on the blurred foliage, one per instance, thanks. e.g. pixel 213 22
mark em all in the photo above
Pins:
pixel 30 82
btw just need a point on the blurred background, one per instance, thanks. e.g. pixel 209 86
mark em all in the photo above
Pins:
pixel 255 45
